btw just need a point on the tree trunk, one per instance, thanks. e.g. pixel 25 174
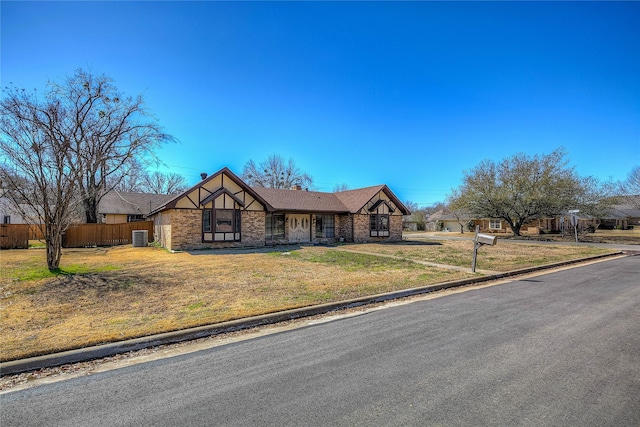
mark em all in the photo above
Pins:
pixel 91 210
pixel 54 252
pixel 53 240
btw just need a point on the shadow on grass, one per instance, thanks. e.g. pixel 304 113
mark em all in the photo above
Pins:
pixel 245 251
pixel 62 272
pixel 295 247
pixel 73 286
pixel 416 243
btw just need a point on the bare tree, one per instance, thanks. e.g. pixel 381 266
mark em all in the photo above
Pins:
pixel 418 216
pixel 136 179
pixel 163 183
pixel 129 178
pixel 631 187
pixel 275 173
pixel 34 166
pixel 105 131
pixel 633 181
pixel 457 212
pixel 342 187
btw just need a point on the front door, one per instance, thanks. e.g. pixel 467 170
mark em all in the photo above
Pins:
pixel 299 228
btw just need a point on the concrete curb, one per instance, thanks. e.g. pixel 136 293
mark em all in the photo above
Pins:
pixel 105 350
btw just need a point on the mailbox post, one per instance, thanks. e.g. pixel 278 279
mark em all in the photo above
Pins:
pixel 574 221
pixel 480 240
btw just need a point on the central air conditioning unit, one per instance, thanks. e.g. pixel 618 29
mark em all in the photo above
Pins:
pixel 140 238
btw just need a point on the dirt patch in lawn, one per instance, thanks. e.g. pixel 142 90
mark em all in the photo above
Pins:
pixel 109 294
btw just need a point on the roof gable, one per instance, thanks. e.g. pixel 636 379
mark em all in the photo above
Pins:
pixel 356 200
pixel 381 202
pixel 219 192
pixel 275 199
pixel 222 182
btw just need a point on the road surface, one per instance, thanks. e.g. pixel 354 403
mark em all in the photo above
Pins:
pixel 558 349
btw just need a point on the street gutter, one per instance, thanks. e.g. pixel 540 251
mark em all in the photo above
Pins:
pixel 111 349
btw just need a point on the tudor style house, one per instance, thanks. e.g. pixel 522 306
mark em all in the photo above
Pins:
pixel 222 211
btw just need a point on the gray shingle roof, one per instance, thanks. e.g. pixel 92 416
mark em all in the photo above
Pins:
pixel 115 202
pixel 627 207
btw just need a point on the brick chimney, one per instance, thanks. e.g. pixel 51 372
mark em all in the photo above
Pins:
pixel 296 187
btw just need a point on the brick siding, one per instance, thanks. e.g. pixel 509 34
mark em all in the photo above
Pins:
pixel 181 229
pixel 344 228
pixel 362 234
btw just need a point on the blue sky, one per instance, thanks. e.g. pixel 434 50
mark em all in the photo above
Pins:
pixel 409 94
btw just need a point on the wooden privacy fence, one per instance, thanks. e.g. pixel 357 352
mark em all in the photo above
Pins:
pixel 35 232
pixel 17 236
pixel 83 235
pixel 14 236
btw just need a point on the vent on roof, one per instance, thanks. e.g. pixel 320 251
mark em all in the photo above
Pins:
pixel 139 238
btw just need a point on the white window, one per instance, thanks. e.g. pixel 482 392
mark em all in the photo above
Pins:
pixel 495 224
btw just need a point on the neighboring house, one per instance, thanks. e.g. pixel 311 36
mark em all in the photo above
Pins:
pixel 119 207
pixel 444 220
pixel 556 225
pixel 416 221
pixel 624 214
pixel 409 223
pixel 223 211
pixel 447 221
pixel 10 215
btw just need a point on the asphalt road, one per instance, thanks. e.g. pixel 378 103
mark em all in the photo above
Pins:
pixel 558 349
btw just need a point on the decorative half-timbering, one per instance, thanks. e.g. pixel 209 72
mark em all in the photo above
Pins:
pixel 379 212
pixel 222 211
pixel 217 210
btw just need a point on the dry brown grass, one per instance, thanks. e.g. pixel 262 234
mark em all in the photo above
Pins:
pixel 505 256
pixel 106 295
pixel 624 237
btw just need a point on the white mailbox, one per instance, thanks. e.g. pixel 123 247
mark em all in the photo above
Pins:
pixel 485 239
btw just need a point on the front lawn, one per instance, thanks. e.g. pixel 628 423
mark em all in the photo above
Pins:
pixel 107 294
